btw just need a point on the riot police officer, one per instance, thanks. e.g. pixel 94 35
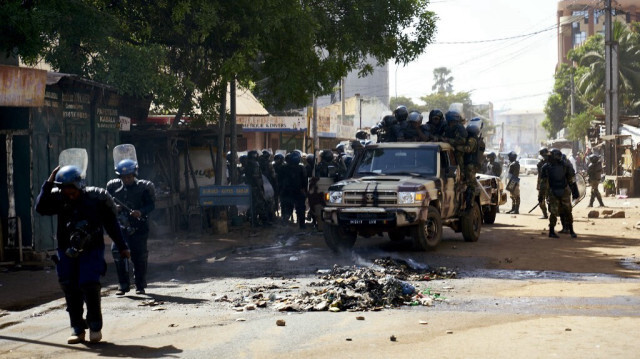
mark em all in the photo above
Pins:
pixel 558 179
pixel 455 134
pixel 383 130
pixel 435 126
pixel 82 213
pixel 470 162
pixel 494 168
pixel 135 199
pixel 293 189
pixel 513 186
pixel 253 177
pixel 401 114
pixel 542 196
pixel 414 131
pixel 277 165
pixel 594 171
pixel 266 169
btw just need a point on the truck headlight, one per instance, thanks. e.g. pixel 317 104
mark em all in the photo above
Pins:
pixel 335 197
pixel 411 197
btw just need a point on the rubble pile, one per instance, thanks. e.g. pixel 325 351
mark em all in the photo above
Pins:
pixel 385 284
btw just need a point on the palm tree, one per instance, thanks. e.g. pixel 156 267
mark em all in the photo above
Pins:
pixel 591 84
pixel 442 81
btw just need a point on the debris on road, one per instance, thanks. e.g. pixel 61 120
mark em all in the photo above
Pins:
pixel 385 284
pixel 281 323
pixel 392 338
pixel 593 214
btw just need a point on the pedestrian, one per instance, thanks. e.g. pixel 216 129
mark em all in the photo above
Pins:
pixel 594 171
pixel 83 213
pixel 135 199
pixel 513 184
pixel 559 180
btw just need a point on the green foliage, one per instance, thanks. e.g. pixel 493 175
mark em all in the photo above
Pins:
pixel 394 102
pixel 442 101
pixel 442 82
pixel 578 125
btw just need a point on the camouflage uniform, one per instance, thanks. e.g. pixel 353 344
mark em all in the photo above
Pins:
pixel 595 173
pixel 542 193
pixel 253 176
pixel 469 150
pixel 514 172
pixel 558 180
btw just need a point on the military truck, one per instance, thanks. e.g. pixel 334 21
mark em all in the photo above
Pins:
pixel 406 189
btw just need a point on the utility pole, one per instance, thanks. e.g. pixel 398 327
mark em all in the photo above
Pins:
pixel 314 126
pixel 342 99
pixel 611 88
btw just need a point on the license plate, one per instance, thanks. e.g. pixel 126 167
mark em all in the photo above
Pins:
pixel 363 221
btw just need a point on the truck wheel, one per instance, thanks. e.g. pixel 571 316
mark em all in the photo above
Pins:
pixel 428 234
pixel 489 214
pixel 397 236
pixel 471 222
pixel 338 239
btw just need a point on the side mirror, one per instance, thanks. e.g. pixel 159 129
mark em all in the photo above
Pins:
pixel 452 172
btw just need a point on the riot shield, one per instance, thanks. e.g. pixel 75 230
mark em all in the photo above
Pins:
pixel 74 157
pixel 124 152
pixel 582 189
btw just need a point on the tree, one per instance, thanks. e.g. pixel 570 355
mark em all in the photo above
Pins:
pixel 442 82
pixel 580 123
pixel 394 102
pixel 591 83
pixel 442 101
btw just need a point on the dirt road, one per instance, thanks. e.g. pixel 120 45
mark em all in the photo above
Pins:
pixel 518 294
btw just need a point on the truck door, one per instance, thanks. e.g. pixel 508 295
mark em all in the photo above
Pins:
pixel 449 178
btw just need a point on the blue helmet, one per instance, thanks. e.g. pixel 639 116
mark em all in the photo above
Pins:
pixel 126 167
pixel 295 158
pixel 453 117
pixel 401 113
pixel 69 175
pixel 278 157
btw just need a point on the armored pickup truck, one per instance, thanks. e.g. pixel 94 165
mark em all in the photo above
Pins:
pixel 406 189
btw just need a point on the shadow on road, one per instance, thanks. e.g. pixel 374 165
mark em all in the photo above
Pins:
pixel 107 349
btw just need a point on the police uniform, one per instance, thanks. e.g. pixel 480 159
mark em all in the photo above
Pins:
pixel 292 192
pixel 558 179
pixel 494 168
pixel 141 196
pixel 79 276
pixel 594 171
pixel 514 172
pixel 253 177
pixel 542 193
pixel 469 151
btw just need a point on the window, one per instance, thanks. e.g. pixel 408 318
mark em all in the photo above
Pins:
pixel 390 161
pixel 579 38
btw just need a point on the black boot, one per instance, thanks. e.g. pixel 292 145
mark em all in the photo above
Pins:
pixel 517 207
pixel 552 233
pixel 513 207
pixel 573 234
pixel 565 227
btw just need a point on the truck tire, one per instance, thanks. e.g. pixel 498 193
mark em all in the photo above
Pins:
pixel 471 223
pixel 428 234
pixel 489 214
pixel 397 236
pixel 337 239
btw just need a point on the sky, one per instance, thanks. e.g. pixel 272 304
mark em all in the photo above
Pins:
pixel 512 74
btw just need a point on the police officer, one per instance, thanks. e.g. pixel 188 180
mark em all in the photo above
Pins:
pixel 470 149
pixel 293 189
pixel 494 168
pixel 266 169
pixel 401 114
pixel 414 131
pixel 455 134
pixel 514 176
pixel 542 196
pixel 435 126
pixel 340 161
pixel 594 171
pixel 383 130
pixel 135 199
pixel 277 165
pixel 558 179
pixel 253 177
pixel 82 213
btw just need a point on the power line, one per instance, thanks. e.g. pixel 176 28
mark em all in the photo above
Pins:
pixel 494 40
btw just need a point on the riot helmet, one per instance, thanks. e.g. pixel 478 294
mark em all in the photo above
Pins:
pixel 594 158
pixel 544 152
pixel 415 117
pixel 295 158
pixel 436 116
pixel 127 167
pixel 69 176
pixel 491 156
pixel 389 121
pixel 278 157
pixel 340 148
pixel 555 155
pixel 473 131
pixel 512 156
pixel 453 118
pixel 401 113
pixel 252 155
pixel 311 159
pixel 326 156
pixel 361 135
pixel 229 156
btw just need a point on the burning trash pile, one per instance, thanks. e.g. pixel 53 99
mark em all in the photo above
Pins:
pixel 385 284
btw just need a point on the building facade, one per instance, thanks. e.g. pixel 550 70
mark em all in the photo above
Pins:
pixel 579 19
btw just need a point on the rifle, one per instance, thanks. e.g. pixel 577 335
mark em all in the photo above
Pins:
pixel 534 207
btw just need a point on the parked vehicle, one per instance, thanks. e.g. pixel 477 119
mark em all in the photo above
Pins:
pixel 529 166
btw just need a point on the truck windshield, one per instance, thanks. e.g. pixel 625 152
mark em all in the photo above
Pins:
pixel 396 161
